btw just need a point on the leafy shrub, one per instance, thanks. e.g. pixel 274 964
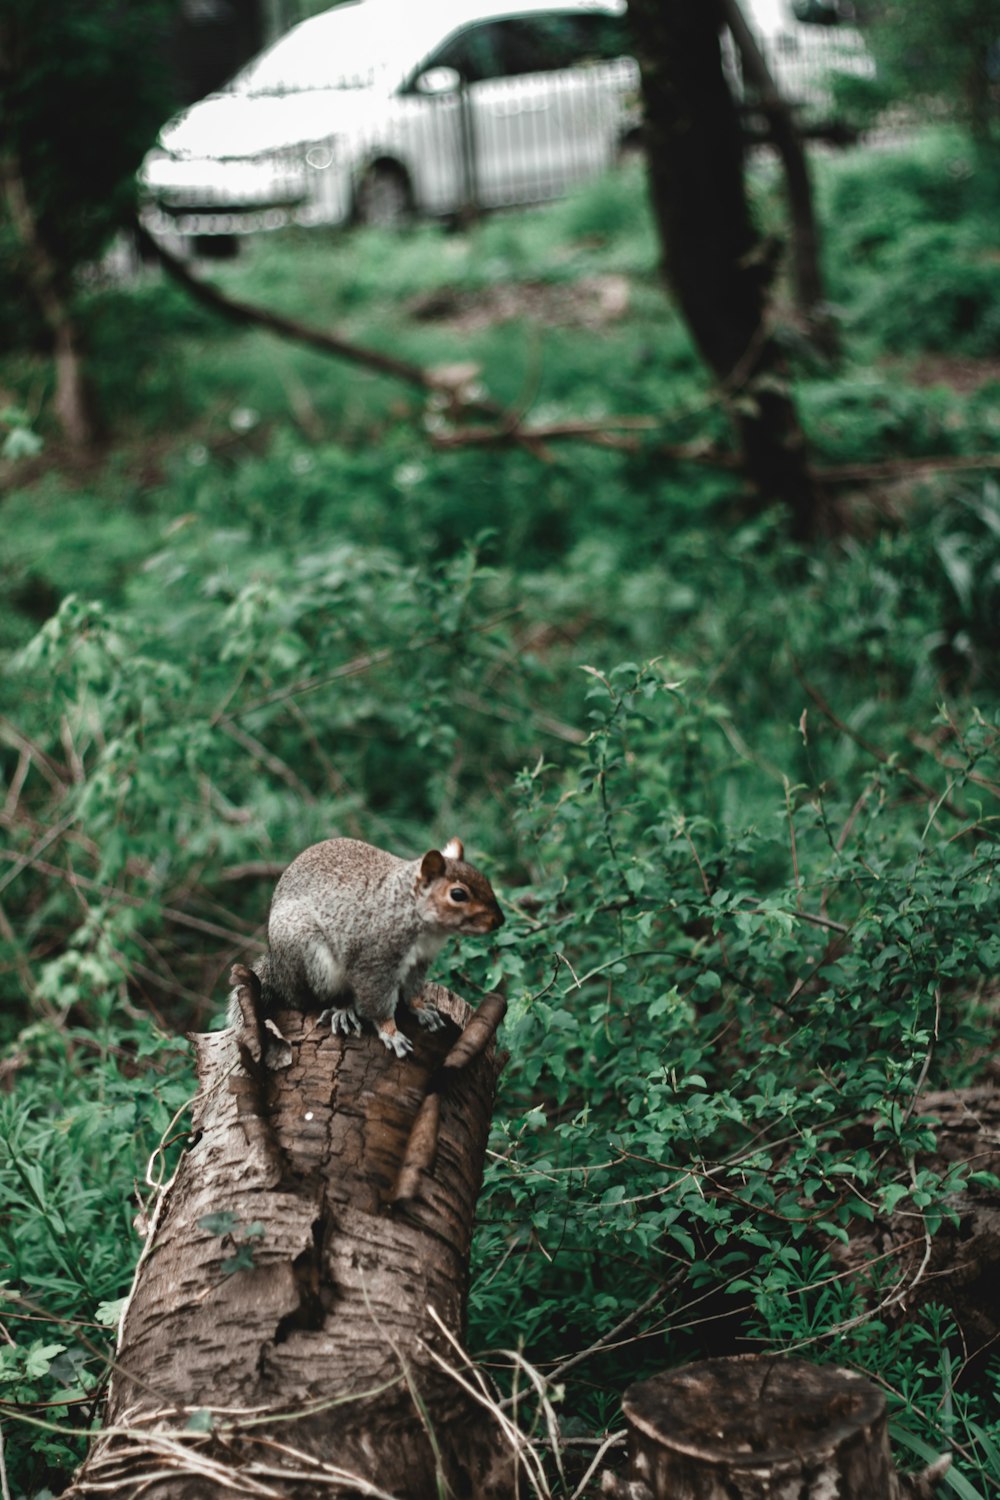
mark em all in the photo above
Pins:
pixel 936 60
pixel 93 1103
pixel 909 250
pixel 936 292
pixel 727 1022
pixel 715 909
pixel 737 796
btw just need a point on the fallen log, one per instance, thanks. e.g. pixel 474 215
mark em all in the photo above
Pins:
pixel 893 1259
pixel 957 1266
pixel 296 1322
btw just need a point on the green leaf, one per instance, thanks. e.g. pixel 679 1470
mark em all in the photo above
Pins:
pixel 954 1481
pixel 39 1357
pixel 21 442
pixel 223 1222
pixel 684 1239
pixel 109 1313
pixel 241 1260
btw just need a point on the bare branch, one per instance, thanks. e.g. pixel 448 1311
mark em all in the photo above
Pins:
pixel 290 328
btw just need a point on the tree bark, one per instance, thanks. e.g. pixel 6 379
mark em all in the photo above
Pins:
pixel 807 273
pixel 715 262
pixel 72 403
pixel 959 1266
pixel 296 1320
pixel 760 1429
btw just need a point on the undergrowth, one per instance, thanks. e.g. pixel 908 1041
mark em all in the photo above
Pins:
pixel 739 797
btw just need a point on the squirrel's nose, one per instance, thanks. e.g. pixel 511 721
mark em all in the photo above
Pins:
pixel 499 919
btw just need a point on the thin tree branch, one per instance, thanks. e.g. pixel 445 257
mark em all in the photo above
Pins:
pixel 302 333
pixel 882 756
pixel 625 434
pixel 891 468
pixel 807 275
pixel 180 918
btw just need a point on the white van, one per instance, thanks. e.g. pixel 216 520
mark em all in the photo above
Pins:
pixel 378 110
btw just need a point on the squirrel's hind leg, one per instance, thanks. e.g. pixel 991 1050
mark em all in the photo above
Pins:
pixel 375 1001
pixel 326 980
pixel 428 1015
pixel 393 1039
pixel 411 992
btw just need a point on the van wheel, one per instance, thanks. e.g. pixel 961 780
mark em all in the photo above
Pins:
pixel 383 198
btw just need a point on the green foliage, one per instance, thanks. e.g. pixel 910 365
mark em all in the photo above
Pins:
pixel 910 249
pixel 734 999
pixel 83 90
pixel 935 57
pixel 19 440
pixel 89 1106
pixel 926 1360
pixel 738 798
pixel 238 1237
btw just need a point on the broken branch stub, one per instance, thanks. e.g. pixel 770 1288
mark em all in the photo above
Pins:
pixel 281 1337
pixel 421 1148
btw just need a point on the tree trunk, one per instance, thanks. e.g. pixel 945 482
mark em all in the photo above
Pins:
pixel 295 1325
pixel 72 403
pixel 760 1429
pixel 807 274
pixel 714 260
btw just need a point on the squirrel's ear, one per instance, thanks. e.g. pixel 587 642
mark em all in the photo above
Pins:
pixel 432 866
pixel 453 849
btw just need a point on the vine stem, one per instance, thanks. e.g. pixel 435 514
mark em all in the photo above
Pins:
pixel 4 1486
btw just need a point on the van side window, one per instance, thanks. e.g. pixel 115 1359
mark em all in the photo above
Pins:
pixel 550 44
pixel 530 44
pixel 472 52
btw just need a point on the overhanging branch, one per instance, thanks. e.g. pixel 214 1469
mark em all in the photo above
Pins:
pixel 627 433
pixel 325 342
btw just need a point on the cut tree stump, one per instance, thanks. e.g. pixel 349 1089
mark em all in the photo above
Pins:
pixel 296 1322
pixel 756 1428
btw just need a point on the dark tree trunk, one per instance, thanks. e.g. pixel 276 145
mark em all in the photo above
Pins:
pixel 762 1429
pixel 715 262
pixel 807 274
pixel 73 403
pixel 296 1320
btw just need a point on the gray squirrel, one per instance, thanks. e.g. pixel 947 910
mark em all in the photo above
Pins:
pixel 353 930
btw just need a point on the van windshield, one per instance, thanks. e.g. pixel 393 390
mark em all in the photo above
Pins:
pixel 345 48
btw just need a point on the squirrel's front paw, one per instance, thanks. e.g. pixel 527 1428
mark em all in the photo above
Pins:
pixel 342 1018
pixel 395 1040
pixel 429 1016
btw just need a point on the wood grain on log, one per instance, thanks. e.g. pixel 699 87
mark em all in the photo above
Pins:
pixel 757 1428
pixel 282 1335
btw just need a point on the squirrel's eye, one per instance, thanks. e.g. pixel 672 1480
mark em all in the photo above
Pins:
pixel 457 894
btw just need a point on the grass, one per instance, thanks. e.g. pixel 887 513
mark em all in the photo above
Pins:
pixel 273 610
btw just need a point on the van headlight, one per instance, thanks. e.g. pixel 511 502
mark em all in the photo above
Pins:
pixel 321 156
